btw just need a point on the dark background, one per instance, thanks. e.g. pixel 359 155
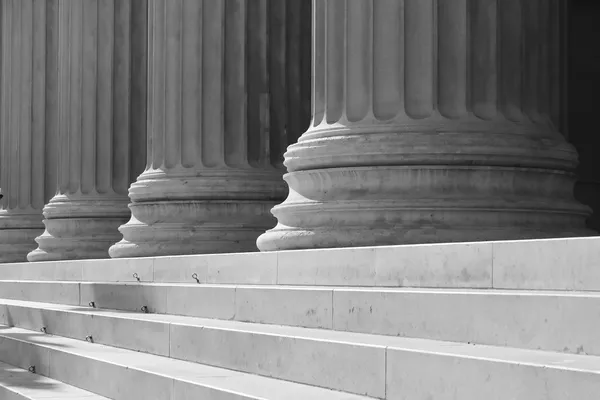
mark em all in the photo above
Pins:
pixel 583 99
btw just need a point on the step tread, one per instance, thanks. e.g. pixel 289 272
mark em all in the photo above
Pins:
pixel 379 289
pixel 503 354
pixel 256 386
pixel 23 384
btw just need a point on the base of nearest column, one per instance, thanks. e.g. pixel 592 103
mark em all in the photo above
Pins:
pixel 393 205
pixel 17 234
pixel 80 227
pixel 285 238
pixel 162 228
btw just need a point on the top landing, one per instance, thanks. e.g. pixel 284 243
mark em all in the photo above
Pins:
pixel 548 264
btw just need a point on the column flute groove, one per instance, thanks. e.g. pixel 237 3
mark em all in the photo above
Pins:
pixel 27 128
pixel 215 147
pixel 100 46
pixel 460 144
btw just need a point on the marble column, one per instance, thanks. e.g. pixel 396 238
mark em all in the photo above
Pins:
pixel 431 123
pixel 101 120
pixel 28 73
pixel 224 100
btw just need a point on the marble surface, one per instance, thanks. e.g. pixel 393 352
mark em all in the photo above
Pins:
pixel 359 320
pixel 547 264
pixel 122 374
pixel 20 384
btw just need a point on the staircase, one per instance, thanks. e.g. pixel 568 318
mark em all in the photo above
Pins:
pixel 467 321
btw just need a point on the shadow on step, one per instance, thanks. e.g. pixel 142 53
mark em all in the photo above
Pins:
pixel 15 378
pixel 34 337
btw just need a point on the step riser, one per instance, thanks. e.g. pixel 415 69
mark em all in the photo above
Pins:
pixel 43 292
pixel 309 307
pixel 529 321
pixel 533 321
pixel 448 265
pixel 339 366
pixel 413 375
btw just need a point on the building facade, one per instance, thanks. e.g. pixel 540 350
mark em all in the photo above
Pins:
pixel 156 127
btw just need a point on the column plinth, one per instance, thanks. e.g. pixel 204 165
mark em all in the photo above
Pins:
pixel 225 99
pixel 432 122
pixel 101 120
pixel 27 131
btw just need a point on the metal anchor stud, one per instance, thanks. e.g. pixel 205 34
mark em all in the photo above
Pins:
pixel 92 304
pixel 144 309
pixel 195 276
pixel 31 369
pixel 136 276
pixel 89 339
pixel 43 329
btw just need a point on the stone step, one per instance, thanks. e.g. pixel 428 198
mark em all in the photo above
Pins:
pixel 332 360
pixel 121 374
pixel 548 264
pixel 20 384
pixel 42 291
pixel 547 320
pixel 403 369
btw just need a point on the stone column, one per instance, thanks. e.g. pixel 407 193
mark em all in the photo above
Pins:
pixel 101 125
pixel 431 123
pixel 220 117
pixel 28 73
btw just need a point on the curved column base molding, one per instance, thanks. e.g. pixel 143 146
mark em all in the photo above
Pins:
pixel 80 227
pixel 161 228
pixel 285 238
pixel 392 205
pixel 430 145
pixel 17 234
pixel 186 185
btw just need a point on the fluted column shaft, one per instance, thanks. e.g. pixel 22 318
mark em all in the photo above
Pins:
pixel 432 122
pixel 225 99
pixel 101 121
pixel 28 122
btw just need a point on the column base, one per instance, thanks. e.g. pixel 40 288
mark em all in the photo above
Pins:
pixel 392 205
pixel 286 238
pixel 80 227
pixel 160 228
pixel 18 231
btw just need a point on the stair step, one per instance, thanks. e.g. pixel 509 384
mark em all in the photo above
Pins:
pixel 43 291
pixel 334 360
pixel 122 374
pixel 376 366
pixel 547 320
pixel 19 384
pixel 548 264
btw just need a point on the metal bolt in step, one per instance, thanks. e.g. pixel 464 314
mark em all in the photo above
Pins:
pixel 43 329
pixel 89 339
pixel 144 309
pixel 195 276
pixel 31 369
pixel 92 304
pixel 136 276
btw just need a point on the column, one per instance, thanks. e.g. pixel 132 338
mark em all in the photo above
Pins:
pixel 431 123
pixel 101 120
pixel 28 73
pixel 225 98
